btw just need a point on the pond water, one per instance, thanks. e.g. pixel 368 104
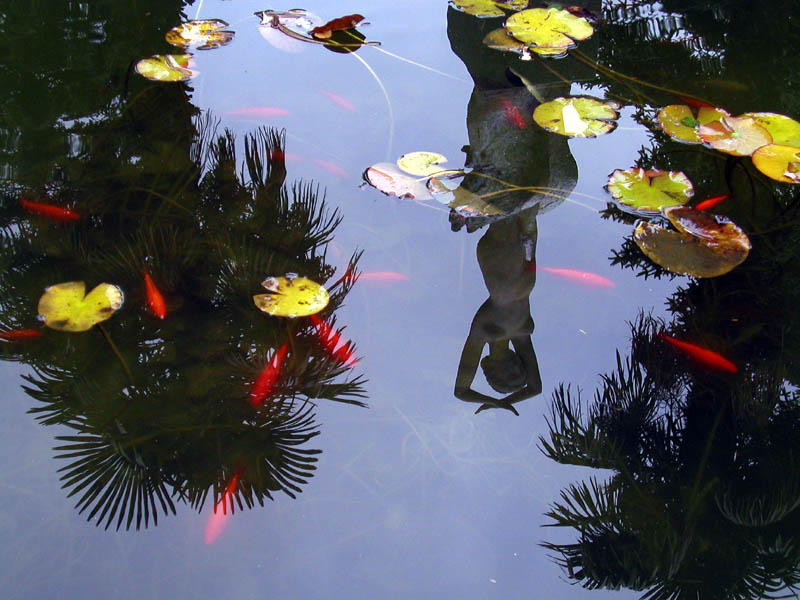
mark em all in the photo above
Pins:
pixel 395 470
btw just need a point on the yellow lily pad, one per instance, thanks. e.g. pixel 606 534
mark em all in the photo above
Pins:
pixel 784 130
pixel 739 136
pixel 680 122
pixel 461 200
pixel 166 67
pixel 67 307
pixel 548 31
pixel 781 163
pixel 421 164
pixel 390 180
pixel 649 191
pixel 577 117
pixel 291 296
pixel 704 245
pixel 204 33
pixel 488 8
pixel 500 39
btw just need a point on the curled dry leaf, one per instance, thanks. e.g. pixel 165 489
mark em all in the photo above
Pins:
pixel 500 39
pixel 323 32
pixel 781 163
pixel 205 34
pixel 738 136
pixel 67 307
pixel 649 190
pixel 166 67
pixel 680 122
pixel 577 117
pixel 390 180
pixel 548 31
pixel 461 200
pixel 488 8
pixel 704 245
pixel 291 296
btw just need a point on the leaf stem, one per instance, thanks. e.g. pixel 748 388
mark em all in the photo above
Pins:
pixel 114 349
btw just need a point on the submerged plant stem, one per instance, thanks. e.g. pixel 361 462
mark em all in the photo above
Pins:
pixel 114 349
pixel 390 141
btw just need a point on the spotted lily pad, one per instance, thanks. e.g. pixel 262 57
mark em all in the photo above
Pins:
pixel 577 117
pixel 205 34
pixel 422 164
pixel 548 31
pixel 649 191
pixel 489 8
pixel 704 245
pixel 166 67
pixel 500 39
pixel 461 200
pixel 67 306
pixel 390 180
pixel 781 163
pixel 291 296
pixel 680 122
pixel 784 130
pixel 739 136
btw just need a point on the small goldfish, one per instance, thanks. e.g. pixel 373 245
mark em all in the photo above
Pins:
pixel 590 279
pixel 331 167
pixel 262 386
pixel 258 112
pixel 382 276
pixel 19 335
pixel 219 518
pixel 336 99
pixel 513 114
pixel 706 358
pixel 154 298
pixel 706 204
pixel 332 342
pixel 56 213
pixel 286 157
pixel 694 102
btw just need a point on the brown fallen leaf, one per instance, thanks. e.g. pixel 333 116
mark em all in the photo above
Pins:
pixel 323 32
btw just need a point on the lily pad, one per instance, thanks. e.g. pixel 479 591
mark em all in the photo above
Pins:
pixel 784 130
pixel 291 296
pixel 204 33
pixel 488 8
pixel 390 180
pixel 548 31
pixel 461 200
pixel 649 191
pixel 739 136
pixel 781 163
pixel 421 163
pixel 500 39
pixel 704 245
pixel 166 67
pixel 67 307
pixel 680 122
pixel 577 117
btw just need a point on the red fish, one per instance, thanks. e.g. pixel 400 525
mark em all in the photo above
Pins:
pixel 706 358
pixel 219 518
pixel 330 340
pixel 706 204
pixel 258 112
pixel 384 276
pixel 285 156
pixel 331 167
pixel 694 102
pixel 56 213
pixel 18 335
pixel 155 301
pixel 513 114
pixel 582 277
pixel 262 386
pixel 336 99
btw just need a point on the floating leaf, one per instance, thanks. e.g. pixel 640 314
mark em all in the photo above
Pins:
pixel 325 31
pixel 393 182
pixel 781 163
pixel 500 39
pixel 488 8
pixel 577 117
pixel 649 191
pixel 204 33
pixel 785 131
pixel 549 31
pixel 680 122
pixel 67 307
pixel 461 200
pixel 166 67
pixel 421 163
pixel 291 296
pixel 705 245
pixel 739 136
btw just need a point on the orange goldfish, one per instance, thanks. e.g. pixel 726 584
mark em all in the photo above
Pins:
pixel 262 386
pixel 56 213
pixel 154 298
pixel 219 518
pixel 706 204
pixel 18 335
pixel 582 277
pixel 336 99
pixel 330 340
pixel 702 356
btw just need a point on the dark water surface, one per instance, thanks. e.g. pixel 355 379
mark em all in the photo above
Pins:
pixel 676 480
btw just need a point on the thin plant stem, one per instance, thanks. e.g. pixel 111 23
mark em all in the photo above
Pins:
pixel 390 141
pixel 114 349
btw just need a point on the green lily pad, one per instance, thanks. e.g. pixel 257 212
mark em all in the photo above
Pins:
pixel 649 191
pixel 461 200
pixel 421 164
pixel 704 245
pixel 577 117
pixel 680 122
pixel 784 130
pixel 67 307
pixel 166 67
pixel 500 39
pixel 204 33
pixel 738 136
pixel 390 180
pixel 548 31
pixel 291 296
pixel 779 162
pixel 488 8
